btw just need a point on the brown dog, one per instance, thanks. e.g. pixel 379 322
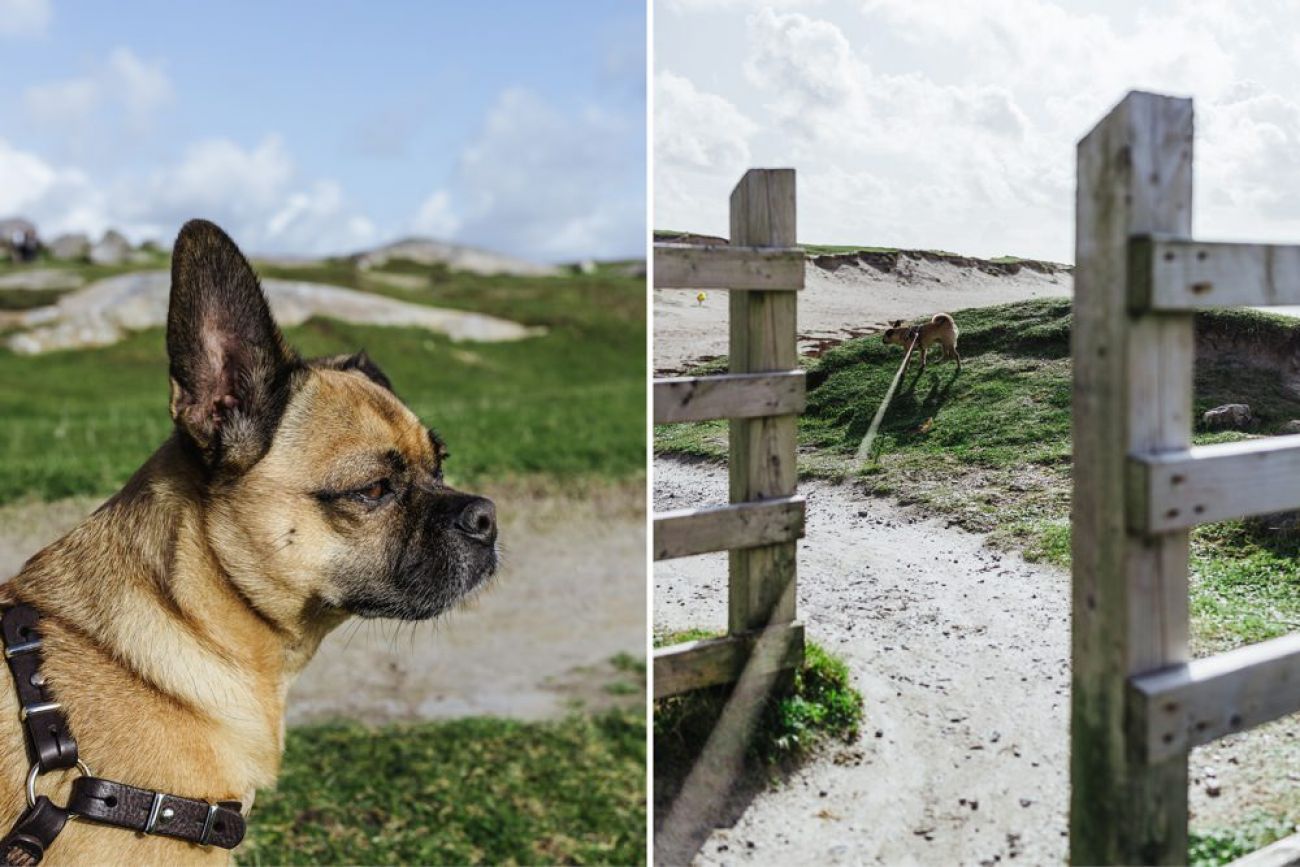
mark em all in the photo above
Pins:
pixel 292 494
pixel 941 329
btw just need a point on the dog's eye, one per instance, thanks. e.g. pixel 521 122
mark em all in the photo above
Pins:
pixel 373 492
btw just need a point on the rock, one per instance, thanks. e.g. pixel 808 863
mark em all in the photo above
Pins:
pixel 43 279
pixel 19 240
pixel 586 266
pixel 112 249
pixel 1292 427
pixel 73 247
pixel 1230 416
pixel 104 312
pixel 457 257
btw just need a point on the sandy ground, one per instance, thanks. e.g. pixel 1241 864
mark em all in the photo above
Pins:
pixel 849 302
pixel 962 656
pixel 535 645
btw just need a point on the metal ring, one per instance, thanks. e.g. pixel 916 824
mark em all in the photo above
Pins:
pixel 36 772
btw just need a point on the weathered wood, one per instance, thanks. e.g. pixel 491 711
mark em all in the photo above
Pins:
pixel 697 664
pixel 762 463
pixel 1181 275
pixel 685 532
pixel 692 266
pixel 731 395
pixel 1132 394
pixel 1283 853
pixel 1177 708
pixel 1180 489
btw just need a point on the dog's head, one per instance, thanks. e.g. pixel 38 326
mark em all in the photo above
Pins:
pixel 321 490
pixel 897 334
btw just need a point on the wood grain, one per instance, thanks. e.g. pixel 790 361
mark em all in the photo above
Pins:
pixel 1182 275
pixel 1177 708
pixel 686 532
pixel 730 395
pixel 1132 394
pixel 692 266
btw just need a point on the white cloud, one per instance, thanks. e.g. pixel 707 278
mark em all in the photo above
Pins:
pixel 436 216
pixel 698 130
pixel 123 86
pixel 806 63
pixel 256 194
pixel 24 17
pixel 547 184
pixel 935 124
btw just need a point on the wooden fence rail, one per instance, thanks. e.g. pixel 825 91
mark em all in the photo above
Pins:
pixel 762 395
pixel 1139 703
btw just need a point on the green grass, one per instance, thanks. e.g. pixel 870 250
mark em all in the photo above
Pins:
pixel 568 405
pixel 469 791
pixel 1212 848
pixel 990 448
pixel 823 705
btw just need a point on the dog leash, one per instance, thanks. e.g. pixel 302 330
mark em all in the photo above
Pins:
pixel 51 746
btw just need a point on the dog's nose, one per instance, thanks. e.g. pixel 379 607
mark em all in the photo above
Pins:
pixel 478 520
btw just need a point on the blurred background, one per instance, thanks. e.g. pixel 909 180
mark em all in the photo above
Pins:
pixel 460 190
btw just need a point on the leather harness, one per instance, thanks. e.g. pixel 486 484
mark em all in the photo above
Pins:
pixel 51 746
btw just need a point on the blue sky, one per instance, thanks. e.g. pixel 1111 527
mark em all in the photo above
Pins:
pixel 325 127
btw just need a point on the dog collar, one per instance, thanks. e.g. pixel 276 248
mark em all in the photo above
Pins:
pixel 51 746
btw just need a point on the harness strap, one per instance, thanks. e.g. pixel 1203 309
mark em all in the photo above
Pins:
pixel 124 806
pixel 36 829
pixel 50 746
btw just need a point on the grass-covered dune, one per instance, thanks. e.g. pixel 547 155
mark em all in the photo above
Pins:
pixel 989 448
pixel 568 405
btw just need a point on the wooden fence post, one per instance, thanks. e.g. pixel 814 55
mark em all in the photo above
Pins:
pixel 762 462
pixel 1132 394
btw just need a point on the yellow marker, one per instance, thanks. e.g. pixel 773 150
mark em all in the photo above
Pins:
pixel 699 299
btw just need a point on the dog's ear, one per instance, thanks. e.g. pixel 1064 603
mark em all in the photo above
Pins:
pixel 359 361
pixel 230 366
pixel 896 323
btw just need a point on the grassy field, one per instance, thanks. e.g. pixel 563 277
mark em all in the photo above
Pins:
pixel 468 791
pixel 990 449
pixel 567 405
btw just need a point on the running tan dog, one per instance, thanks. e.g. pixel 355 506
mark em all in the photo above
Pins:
pixel 941 329
pixel 291 495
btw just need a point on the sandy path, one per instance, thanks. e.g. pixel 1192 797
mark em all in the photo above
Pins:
pixel 962 656
pixel 536 644
pixel 851 301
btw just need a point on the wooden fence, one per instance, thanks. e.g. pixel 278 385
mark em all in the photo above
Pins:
pixel 762 395
pixel 1139 702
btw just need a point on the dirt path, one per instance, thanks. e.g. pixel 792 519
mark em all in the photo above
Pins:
pixel 535 645
pixel 962 656
pixel 848 302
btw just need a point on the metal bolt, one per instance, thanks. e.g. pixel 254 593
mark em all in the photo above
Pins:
pixel 37 679
pixel 167 814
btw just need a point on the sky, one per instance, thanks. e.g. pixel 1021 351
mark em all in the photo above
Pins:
pixel 943 125
pixel 309 127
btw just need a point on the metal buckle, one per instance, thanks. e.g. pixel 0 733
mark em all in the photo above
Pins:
pixel 44 707
pixel 153 812
pixel 207 824
pixel 36 772
pixel 13 650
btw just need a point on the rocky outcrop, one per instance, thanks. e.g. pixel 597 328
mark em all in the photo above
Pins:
pixel 1230 416
pixel 70 248
pixel 105 312
pixel 457 257
pixel 112 249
